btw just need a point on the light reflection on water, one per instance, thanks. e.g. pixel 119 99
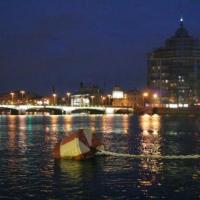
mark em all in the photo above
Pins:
pixel 150 144
pixel 28 170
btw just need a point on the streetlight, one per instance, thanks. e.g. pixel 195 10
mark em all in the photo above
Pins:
pixel 68 98
pixel 103 99
pixel 144 95
pixel 109 97
pixel 22 93
pixel 54 98
pixel 92 97
pixel 155 96
pixel 12 96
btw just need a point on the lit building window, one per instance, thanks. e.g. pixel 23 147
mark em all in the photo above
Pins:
pixel 117 94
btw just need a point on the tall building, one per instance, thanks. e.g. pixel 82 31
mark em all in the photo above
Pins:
pixel 174 70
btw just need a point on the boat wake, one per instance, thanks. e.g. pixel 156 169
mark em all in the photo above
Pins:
pixel 150 156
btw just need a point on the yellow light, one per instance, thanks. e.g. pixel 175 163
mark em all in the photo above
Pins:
pixel 155 96
pixel 145 94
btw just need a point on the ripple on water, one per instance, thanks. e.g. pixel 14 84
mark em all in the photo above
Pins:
pixel 28 170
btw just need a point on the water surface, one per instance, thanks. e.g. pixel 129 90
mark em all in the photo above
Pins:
pixel 28 170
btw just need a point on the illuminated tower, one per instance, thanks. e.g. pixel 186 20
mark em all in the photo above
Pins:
pixel 174 70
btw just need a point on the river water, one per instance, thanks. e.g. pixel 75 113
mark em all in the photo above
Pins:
pixel 28 170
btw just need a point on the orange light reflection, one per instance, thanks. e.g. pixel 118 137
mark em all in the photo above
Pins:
pixel 150 145
pixel 12 132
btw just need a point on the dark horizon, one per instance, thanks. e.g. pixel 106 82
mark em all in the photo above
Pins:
pixel 47 43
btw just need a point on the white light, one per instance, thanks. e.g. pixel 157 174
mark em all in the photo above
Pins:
pixel 39 102
pixel 109 111
pixel 46 101
pixel 173 106
pixel 181 19
pixel 117 94
pixel 155 96
pixel 80 101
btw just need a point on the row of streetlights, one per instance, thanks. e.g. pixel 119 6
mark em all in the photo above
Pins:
pixel 68 94
pixel 103 98
pixel 146 95
pixel 22 92
pixel 54 95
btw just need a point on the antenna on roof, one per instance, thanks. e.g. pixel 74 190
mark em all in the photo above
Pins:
pixel 181 21
pixel 181 14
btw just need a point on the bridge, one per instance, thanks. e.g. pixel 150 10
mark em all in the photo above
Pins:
pixel 61 109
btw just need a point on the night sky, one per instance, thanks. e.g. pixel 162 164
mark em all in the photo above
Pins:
pixel 45 43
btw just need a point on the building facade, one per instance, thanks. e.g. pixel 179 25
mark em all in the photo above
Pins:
pixel 87 96
pixel 174 70
pixel 128 98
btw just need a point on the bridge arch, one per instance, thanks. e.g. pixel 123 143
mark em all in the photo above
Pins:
pixel 44 110
pixel 8 111
pixel 123 111
pixel 88 111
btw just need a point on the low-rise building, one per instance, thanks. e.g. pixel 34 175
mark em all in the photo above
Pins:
pixel 87 96
pixel 129 98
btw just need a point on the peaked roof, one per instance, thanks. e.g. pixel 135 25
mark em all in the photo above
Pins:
pixel 181 44
pixel 182 31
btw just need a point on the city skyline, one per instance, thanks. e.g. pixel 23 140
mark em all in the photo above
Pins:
pixel 103 43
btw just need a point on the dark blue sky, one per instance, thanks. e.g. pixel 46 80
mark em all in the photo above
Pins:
pixel 63 42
